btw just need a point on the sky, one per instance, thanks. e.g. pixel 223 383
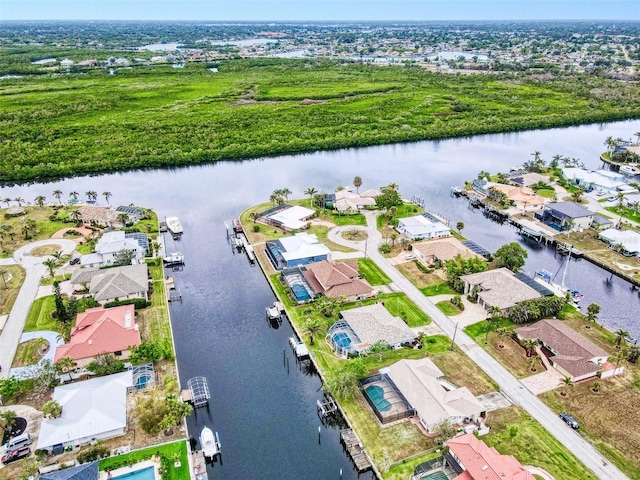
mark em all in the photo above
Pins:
pixel 289 10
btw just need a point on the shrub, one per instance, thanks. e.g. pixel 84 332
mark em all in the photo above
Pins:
pixel 138 303
pixel 95 452
pixel 420 266
pixel 256 228
pixel 385 248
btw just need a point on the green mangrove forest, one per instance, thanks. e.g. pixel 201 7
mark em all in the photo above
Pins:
pixel 63 124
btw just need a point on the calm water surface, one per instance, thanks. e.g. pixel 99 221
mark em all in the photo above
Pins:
pixel 264 414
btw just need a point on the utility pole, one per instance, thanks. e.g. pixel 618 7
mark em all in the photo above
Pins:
pixel 453 339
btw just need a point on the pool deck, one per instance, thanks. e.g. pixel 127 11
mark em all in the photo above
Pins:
pixel 113 474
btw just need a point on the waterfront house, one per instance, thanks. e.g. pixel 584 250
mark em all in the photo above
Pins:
pixel 99 330
pixel 360 328
pixel 441 250
pixel 135 214
pixel 287 217
pixel 83 471
pixel 348 201
pixel 563 216
pixel 497 288
pixel 520 196
pixel 108 247
pixel 569 352
pixel 606 180
pixel 472 459
pixel 105 285
pixel 92 410
pixel 434 399
pixel 300 249
pixel 422 227
pixel 626 242
pixel 98 216
pixel 336 279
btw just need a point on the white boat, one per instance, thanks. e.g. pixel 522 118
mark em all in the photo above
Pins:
pixel 175 258
pixel 559 289
pixel 630 170
pixel 210 443
pixel 173 225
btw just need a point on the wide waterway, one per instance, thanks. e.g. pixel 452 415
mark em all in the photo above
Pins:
pixel 266 415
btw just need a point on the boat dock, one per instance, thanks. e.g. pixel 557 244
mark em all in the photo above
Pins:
pixel 175 258
pixel 173 294
pixel 197 393
pixel 198 466
pixel 299 348
pixel 351 443
pixel 328 407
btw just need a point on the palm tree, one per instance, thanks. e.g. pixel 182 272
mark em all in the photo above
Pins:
pixel 502 333
pixel 19 200
pixel 65 364
pixel 596 386
pixel 637 135
pixel 123 218
pixel 529 345
pixel 107 196
pixel 393 237
pixel 7 200
pixel 565 382
pixel 50 263
pixel 620 334
pixel 357 182
pixel 156 248
pixel 52 409
pixel 576 195
pixel 91 195
pixel 40 200
pixel 592 314
pixel 285 192
pixel 533 361
pixel 58 195
pixel 76 216
pixel 313 327
pixel 619 357
pixel 311 192
pixel 74 195
pixel 459 226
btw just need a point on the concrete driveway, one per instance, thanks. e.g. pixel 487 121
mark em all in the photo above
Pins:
pixel 34 269
pixel 509 385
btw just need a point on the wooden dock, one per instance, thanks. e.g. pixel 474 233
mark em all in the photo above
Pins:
pixel 199 466
pixel 173 294
pixel 351 443
pixel 327 407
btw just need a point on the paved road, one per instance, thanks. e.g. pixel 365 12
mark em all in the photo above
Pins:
pixel 34 268
pixel 509 385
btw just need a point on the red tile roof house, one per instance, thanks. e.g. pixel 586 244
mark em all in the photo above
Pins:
pixel 570 353
pixel 101 330
pixel 472 459
pixel 336 279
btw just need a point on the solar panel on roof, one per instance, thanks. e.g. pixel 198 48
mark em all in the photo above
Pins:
pixel 475 248
pixel 537 286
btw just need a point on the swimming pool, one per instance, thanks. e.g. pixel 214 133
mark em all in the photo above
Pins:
pixel 300 292
pixel 435 476
pixel 142 474
pixel 342 340
pixel 142 380
pixel 376 394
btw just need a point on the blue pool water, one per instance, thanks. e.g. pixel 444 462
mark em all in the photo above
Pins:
pixel 376 394
pixel 143 474
pixel 142 380
pixel 300 293
pixel 342 340
pixel 435 476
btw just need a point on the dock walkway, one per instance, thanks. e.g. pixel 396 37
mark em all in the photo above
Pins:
pixel 351 443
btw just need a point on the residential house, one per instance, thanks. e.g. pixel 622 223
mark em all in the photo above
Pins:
pixel 101 330
pixel 568 351
pixel 563 216
pixel 91 410
pixel 105 285
pixel 421 227
pixel 626 242
pixel 336 279
pixel 98 216
pixel 108 248
pixel 360 328
pixel 348 201
pixel 434 399
pixel 135 214
pixel 83 471
pixel 605 180
pixel 301 249
pixel 287 217
pixel 472 459
pixel 499 288
pixel 520 196
pixel 441 250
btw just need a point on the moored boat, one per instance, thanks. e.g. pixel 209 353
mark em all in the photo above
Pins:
pixel 174 226
pixel 630 170
pixel 209 443
pixel 175 258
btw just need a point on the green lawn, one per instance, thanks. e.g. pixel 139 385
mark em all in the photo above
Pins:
pixel 438 289
pixel 171 451
pixel 399 305
pixel 448 308
pixel 371 273
pixel 546 192
pixel 627 213
pixel 11 278
pixel 39 317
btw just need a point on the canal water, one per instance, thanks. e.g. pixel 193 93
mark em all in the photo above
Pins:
pixel 265 414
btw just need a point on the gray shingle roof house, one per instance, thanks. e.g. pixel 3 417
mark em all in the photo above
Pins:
pixel 498 288
pixel 85 471
pixel 566 215
pixel 108 284
pixel 572 354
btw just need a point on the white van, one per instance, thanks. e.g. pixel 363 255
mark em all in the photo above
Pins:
pixel 17 442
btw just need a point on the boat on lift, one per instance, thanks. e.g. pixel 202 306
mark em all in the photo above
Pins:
pixel 209 443
pixel 174 226
pixel 175 258
pixel 631 169
pixel 546 279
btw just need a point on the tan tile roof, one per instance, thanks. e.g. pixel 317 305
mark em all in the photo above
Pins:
pixel 444 249
pixel 101 215
pixel 374 323
pixel 500 288
pixel 336 279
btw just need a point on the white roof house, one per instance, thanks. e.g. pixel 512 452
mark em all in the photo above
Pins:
pixel 303 245
pixel 606 180
pixel 293 218
pixel 108 247
pixel 91 410
pixel 628 239
pixel 420 227
pixel 421 382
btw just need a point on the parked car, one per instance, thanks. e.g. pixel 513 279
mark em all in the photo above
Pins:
pixel 14 455
pixel 569 420
pixel 411 256
pixel 74 261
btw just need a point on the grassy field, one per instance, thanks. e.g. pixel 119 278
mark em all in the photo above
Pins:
pixel 14 237
pixel 153 321
pixel 28 352
pixel 155 116
pixel 39 317
pixel 8 295
pixel 371 273
pixel 172 451
pixel 448 308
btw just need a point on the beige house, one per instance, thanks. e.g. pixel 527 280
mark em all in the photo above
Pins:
pixel 441 249
pixel 498 288
pixel 109 284
pixel 336 279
